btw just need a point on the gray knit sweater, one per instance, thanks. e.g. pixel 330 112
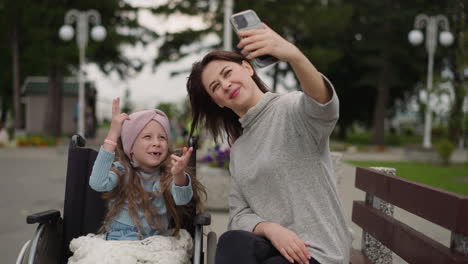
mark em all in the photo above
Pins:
pixel 281 172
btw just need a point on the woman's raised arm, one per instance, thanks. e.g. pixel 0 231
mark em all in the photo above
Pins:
pixel 258 42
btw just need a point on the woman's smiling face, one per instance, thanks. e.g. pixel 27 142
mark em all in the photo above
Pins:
pixel 231 85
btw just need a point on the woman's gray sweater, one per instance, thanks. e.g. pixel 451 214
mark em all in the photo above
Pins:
pixel 281 172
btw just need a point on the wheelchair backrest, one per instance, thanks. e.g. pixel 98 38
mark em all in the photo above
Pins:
pixel 84 210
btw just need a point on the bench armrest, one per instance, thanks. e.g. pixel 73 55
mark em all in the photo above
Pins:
pixel 43 217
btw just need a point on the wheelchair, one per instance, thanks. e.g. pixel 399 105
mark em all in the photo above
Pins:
pixel 84 211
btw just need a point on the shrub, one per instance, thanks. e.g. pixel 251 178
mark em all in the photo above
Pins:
pixel 439 132
pixel 358 138
pixel 445 149
pixel 36 141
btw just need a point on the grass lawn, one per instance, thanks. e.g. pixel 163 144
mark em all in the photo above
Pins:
pixel 453 178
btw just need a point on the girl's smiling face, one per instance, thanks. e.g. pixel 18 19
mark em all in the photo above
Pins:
pixel 150 147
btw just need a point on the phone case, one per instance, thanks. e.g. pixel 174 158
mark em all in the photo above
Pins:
pixel 254 23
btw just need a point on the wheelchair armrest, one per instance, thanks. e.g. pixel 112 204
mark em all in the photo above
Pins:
pixel 43 217
pixel 203 218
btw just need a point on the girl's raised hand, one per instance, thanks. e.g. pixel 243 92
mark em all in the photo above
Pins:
pixel 258 42
pixel 117 121
pixel 179 164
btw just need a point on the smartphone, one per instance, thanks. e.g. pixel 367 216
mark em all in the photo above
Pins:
pixel 246 20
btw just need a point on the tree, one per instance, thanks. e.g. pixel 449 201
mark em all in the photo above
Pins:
pixel 43 53
pixel 10 10
pixel 361 45
pixel 458 63
pixel 320 32
pixel 5 65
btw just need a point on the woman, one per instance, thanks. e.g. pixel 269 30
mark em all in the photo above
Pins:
pixel 283 205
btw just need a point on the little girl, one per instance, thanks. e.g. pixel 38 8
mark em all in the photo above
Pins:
pixel 145 183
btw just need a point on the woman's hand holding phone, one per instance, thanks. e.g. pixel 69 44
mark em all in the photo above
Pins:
pixel 248 20
pixel 259 42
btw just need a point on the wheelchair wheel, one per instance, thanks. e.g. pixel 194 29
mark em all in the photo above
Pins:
pixel 46 245
pixel 211 241
pixel 24 253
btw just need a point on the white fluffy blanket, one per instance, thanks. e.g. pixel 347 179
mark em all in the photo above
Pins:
pixel 93 249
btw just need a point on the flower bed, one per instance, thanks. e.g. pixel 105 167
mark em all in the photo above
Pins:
pixel 217 158
pixel 35 141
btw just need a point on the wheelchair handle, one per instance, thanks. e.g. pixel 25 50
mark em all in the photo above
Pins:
pixel 193 142
pixel 77 141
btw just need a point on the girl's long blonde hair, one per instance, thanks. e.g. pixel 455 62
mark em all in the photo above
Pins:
pixel 130 190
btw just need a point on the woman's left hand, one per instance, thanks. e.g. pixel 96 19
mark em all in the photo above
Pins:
pixel 258 42
pixel 179 164
pixel 287 242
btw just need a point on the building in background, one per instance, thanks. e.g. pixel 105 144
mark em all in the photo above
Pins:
pixel 34 100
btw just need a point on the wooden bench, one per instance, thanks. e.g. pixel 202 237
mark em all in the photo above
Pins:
pixel 382 233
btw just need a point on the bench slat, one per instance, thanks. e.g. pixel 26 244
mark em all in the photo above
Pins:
pixel 446 209
pixel 411 245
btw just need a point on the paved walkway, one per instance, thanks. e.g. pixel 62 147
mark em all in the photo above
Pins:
pixel 33 180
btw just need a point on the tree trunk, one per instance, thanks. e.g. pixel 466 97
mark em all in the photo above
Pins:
pixel 53 121
pixel 380 114
pixel 275 78
pixel 343 131
pixel 456 113
pixel 457 65
pixel 3 111
pixel 16 75
pixel 383 92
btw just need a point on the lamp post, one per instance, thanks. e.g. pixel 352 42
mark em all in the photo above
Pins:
pixel 98 33
pixel 227 36
pixel 416 37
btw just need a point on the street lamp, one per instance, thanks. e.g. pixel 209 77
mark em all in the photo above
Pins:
pixel 66 33
pixel 416 37
pixel 227 36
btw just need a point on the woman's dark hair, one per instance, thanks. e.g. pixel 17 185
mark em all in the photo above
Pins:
pixel 205 112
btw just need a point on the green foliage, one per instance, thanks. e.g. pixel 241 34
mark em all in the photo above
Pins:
pixel 41 50
pixel 439 132
pixel 105 124
pixel 358 44
pixel 451 178
pixel 445 149
pixel 170 109
pixel 365 138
